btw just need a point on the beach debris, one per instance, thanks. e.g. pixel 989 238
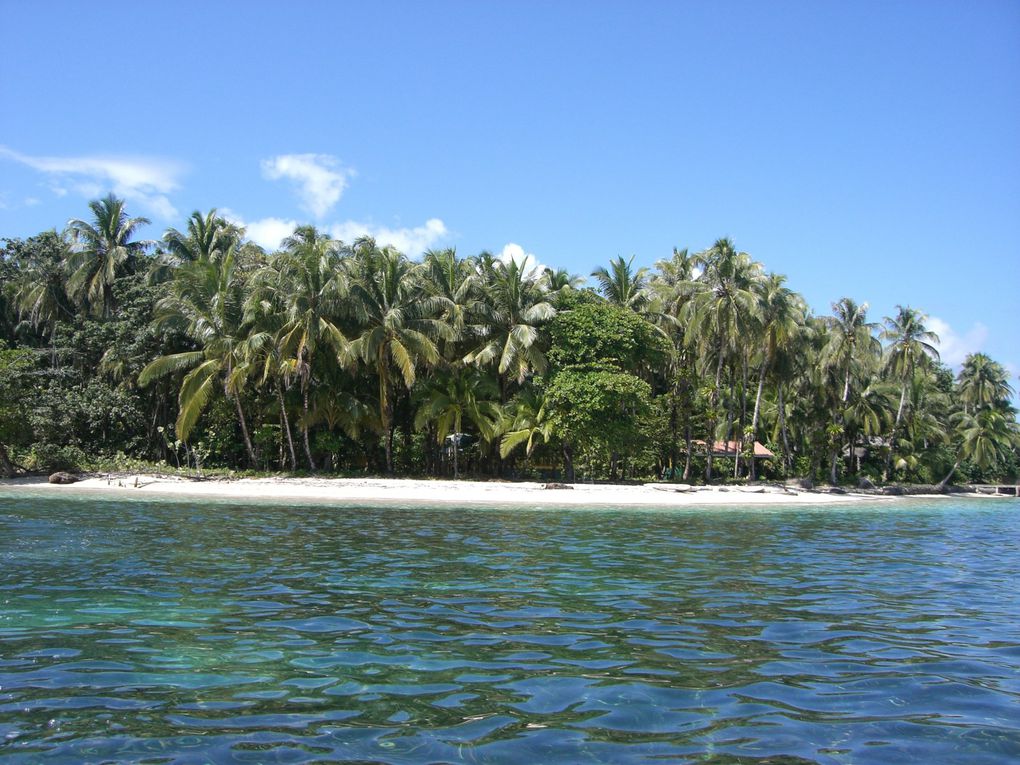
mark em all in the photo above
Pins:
pixel 557 486
pixel 680 487
pixel 61 477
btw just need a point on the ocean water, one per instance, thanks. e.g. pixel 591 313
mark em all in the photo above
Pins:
pixel 171 632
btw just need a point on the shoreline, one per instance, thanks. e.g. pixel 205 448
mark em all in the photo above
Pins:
pixel 347 491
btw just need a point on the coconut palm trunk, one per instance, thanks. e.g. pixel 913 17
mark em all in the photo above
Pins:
pixel 710 441
pixel 285 421
pixel 385 411
pixel 787 463
pixel 456 446
pixel 754 417
pixel 304 427
pixel 949 475
pixel 687 459
pixel 252 456
pixel 5 463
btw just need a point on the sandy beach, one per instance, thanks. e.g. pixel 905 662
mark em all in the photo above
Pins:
pixel 427 492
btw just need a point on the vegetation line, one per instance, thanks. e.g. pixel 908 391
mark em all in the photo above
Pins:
pixel 202 351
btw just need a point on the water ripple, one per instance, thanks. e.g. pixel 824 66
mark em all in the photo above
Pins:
pixel 161 632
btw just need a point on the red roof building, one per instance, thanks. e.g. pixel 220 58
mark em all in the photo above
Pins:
pixel 730 449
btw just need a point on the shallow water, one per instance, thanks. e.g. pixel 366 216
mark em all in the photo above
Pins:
pixel 160 632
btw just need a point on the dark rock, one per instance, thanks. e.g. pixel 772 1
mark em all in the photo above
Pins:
pixel 837 490
pixel 62 477
pixel 557 486
pixel 806 483
pixel 865 483
pixel 894 491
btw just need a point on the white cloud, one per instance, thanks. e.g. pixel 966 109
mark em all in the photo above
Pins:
pixel 954 347
pixel 526 260
pixel 267 233
pixel 410 241
pixel 270 232
pixel 320 179
pixel 142 180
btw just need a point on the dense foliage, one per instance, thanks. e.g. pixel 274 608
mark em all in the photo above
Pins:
pixel 202 350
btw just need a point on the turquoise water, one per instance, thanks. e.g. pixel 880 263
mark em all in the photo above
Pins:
pixel 162 632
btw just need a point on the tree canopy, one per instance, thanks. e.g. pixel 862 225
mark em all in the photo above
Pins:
pixel 200 349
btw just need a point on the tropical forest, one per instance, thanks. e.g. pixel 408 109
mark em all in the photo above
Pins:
pixel 201 352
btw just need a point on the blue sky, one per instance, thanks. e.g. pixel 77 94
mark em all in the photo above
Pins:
pixel 869 149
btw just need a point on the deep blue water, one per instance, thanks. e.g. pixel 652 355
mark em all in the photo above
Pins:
pixel 163 632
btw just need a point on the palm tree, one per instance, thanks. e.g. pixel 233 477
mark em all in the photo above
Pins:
pixel 673 283
pixel 529 423
pixel 911 344
pixel 983 383
pixel 207 237
pixel 869 413
pixel 261 349
pixel 985 438
pixel 102 251
pixel 673 286
pixel 39 291
pixel 513 307
pixel 621 284
pixel 850 339
pixel 455 283
pixel 308 283
pixel 720 313
pixel 850 345
pixel 780 315
pixel 397 323
pixel 449 398
pixel 559 279
pixel 207 300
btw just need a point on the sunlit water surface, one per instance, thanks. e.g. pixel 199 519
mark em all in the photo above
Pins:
pixel 158 632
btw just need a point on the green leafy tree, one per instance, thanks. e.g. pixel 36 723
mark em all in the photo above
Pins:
pixel 15 383
pixel 598 413
pixel 604 333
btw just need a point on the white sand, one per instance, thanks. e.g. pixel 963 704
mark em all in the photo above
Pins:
pixel 407 491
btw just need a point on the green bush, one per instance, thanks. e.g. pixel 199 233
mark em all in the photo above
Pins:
pixel 49 458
